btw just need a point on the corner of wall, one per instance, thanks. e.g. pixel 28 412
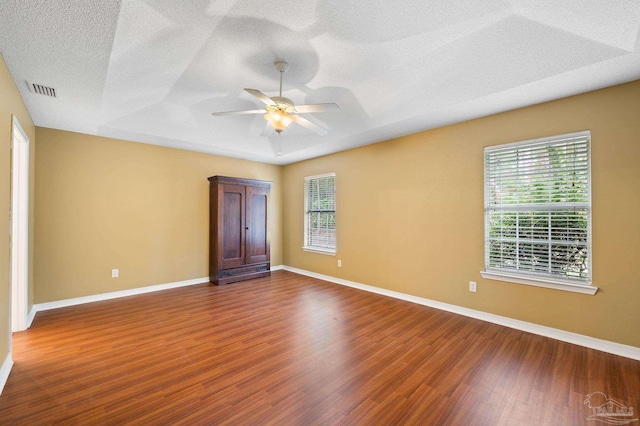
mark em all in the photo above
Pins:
pixel 5 369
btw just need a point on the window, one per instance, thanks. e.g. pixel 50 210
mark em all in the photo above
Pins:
pixel 538 212
pixel 320 213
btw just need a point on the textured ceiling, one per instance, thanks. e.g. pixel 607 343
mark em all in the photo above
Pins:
pixel 153 70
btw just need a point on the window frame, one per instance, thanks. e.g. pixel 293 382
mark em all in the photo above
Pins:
pixel 307 246
pixel 545 280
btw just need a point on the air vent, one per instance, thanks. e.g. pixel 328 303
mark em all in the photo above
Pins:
pixel 42 90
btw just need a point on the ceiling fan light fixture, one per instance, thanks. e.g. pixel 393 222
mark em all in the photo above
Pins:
pixel 280 112
pixel 279 119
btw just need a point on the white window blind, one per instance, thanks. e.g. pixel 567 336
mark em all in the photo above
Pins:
pixel 320 212
pixel 538 208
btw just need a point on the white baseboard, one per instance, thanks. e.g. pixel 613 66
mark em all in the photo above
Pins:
pixel 5 369
pixel 116 294
pixel 553 333
pixel 31 316
pixel 113 295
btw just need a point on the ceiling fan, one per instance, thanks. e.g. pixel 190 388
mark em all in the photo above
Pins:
pixel 280 112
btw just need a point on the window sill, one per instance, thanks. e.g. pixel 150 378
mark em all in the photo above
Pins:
pixel 329 252
pixel 554 284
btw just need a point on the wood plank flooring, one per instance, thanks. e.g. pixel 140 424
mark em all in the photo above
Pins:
pixel 293 350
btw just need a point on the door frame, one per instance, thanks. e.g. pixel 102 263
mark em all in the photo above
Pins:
pixel 19 226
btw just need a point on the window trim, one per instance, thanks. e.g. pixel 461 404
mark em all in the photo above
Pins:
pixel 538 282
pixel 306 247
pixel 310 249
pixel 522 277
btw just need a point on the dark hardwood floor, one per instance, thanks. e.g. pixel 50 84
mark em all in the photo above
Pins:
pixel 293 350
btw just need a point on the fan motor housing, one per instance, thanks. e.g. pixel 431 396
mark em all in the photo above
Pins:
pixel 284 103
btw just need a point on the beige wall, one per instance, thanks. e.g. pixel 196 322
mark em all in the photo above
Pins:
pixel 105 203
pixel 11 104
pixel 410 215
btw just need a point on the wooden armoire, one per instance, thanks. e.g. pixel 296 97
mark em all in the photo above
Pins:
pixel 238 237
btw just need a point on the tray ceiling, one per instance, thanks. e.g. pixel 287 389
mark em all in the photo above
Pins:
pixel 152 71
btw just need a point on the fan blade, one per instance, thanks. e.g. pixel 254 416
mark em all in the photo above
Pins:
pixel 311 126
pixel 248 111
pixel 304 109
pixel 258 94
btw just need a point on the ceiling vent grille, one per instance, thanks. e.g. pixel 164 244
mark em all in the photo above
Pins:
pixel 42 90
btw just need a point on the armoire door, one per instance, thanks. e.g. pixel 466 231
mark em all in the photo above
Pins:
pixel 231 224
pixel 257 240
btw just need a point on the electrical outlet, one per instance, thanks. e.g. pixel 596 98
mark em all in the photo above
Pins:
pixel 339 263
pixel 472 286
pixel 115 273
